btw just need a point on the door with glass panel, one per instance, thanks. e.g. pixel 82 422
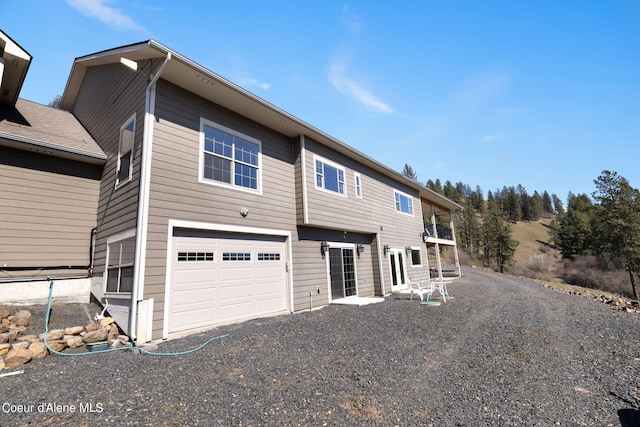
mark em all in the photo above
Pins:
pixel 397 268
pixel 342 271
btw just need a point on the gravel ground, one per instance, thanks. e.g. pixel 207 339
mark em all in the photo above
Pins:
pixel 504 352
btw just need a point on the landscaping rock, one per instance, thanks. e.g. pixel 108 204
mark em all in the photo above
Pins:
pixel 2 366
pixel 96 336
pixel 38 350
pixel 74 341
pixel 56 334
pixel 20 344
pixel 74 330
pixel 92 327
pixel 17 357
pixel 21 318
pixel 4 348
pixel 57 345
pixel 106 321
pixel 4 313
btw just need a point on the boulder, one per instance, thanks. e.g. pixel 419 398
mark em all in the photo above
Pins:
pixel 106 321
pixel 20 344
pixel 113 332
pixel 74 341
pixel 38 350
pixel 17 357
pixel 96 336
pixel 32 338
pixel 4 313
pixel 4 349
pixel 57 345
pixel 74 330
pixel 92 327
pixel 1 363
pixel 4 337
pixel 3 328
pixel 21 318
pixel 53 335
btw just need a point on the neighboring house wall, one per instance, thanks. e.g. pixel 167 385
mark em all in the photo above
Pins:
pixel 47 211
pixel 109 97
pixel 178 194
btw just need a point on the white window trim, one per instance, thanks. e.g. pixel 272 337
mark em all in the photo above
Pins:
pixel 413 208
pixel 124 235
pixel 132 119
pixel 411 257
pixel 357 181
pixel 201 179
pixel 335 165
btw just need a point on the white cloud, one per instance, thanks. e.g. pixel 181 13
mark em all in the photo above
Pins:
pixel 110 16
pixel 490 138
pixel 354 90
pixel 244 80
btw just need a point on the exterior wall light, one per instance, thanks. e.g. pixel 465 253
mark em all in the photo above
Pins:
pixel 385 249
pixel 324 247
pixel 359 248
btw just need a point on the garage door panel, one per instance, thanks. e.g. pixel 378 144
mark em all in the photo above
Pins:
pixel 236 278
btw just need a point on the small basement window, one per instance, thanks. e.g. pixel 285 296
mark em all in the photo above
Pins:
pixel 416 259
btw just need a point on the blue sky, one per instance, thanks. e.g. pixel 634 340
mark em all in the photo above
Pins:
pixel 541 93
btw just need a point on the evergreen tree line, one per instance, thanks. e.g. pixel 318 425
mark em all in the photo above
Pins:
pixel 607 226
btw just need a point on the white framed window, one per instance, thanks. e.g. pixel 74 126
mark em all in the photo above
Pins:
pixel 329 176
pixel 404 203
pixel 358 182
pixel 416 257
pixel 120 257
pixel 229 158
pixel 125 151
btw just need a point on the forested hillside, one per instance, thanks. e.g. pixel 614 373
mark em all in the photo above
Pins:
pixel 594 242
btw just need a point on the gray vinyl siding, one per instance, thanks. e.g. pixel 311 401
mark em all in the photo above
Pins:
pixel 110 95
pixel 310 266
pixel 177 194
pixel 374 213
pixel 47 211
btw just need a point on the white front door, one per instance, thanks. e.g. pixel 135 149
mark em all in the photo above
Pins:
pixel 397 268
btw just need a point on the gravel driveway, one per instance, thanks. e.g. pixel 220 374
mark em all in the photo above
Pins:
pixel 504 352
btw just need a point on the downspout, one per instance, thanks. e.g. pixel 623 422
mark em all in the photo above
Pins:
pixel 303 171
pixel 137 292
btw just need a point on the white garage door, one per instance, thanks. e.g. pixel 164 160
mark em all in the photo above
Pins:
pixel 218 278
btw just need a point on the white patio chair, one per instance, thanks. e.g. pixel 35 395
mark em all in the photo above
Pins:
pixel 417 288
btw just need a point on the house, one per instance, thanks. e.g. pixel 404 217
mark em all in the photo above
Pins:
pixel 215 206
pixel 50 172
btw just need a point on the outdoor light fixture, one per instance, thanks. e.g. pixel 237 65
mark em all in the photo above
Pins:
pixel 133 65
pixel 385 249
pixel 359 248
pixel 324 247
pixel 408 250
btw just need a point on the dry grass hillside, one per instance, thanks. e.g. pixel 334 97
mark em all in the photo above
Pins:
pixel 534 255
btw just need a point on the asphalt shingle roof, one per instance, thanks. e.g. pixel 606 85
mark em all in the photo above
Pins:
pixel 30 122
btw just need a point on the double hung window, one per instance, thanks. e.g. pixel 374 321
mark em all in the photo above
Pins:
pixel 125 151
pixel 120 265
pixel 404 203
pixel 230 158
pixel 329 176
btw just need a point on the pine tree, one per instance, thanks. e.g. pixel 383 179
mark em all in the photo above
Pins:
pixel 497 241
pixel 618 219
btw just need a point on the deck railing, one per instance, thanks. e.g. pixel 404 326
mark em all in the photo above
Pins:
pixel 443 232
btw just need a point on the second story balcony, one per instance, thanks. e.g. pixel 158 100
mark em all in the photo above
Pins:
pixel 443 233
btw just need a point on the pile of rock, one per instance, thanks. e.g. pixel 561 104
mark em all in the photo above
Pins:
pixel 616 302
pixel 17 349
